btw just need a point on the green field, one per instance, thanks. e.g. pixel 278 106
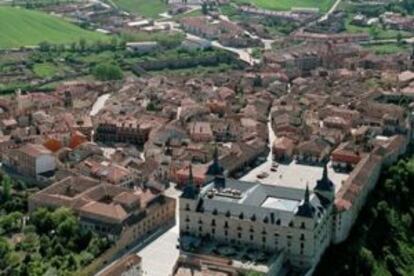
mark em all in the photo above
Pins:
pixel 148 8
pixel 389 48
pixel 323 5
pixel 20 27
pixel 382 33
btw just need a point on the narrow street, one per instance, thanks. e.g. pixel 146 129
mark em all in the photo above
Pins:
pixel 331 10
pixel 99 104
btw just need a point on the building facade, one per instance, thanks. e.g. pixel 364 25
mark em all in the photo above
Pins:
pixel 298 223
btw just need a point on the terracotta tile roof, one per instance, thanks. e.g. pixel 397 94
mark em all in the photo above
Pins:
pixel 359 178
pixel 122 265
pixel 111 212
pixel 34 150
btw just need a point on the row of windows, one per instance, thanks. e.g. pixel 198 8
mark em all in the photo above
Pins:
pixel 239 234
pixel 239 228
pixel 252 218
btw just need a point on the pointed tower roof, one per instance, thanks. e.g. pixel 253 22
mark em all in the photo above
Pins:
pixel 306 209
pixel 325 184
pixel 215 168
pixel 190 191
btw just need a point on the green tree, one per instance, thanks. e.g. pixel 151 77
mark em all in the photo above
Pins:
pixel 6 184
pixel 68 228
pixel 374 31
pixel 45 46
pixel 42 219
pixel 107 72
pixel 204 8
pixel 4 248
pixel 82 44
pixel 399 38
pixel 367 261
pixel 170 42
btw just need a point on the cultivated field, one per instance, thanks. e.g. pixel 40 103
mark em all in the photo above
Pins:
pixel 20 27
pixel 148 8
pixel 323 5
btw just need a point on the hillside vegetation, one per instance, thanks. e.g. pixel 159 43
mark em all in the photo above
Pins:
pixel 21 27
pixel 382 241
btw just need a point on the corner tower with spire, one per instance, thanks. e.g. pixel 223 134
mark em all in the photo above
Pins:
pixel 216 171
pixel 324 186
pixel 190 191
pixel 306 209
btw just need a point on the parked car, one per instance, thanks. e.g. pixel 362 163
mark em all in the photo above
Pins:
pixel 262 175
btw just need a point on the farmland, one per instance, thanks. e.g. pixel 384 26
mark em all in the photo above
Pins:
pixel 20 27
pixel 323 5
pixel 143 7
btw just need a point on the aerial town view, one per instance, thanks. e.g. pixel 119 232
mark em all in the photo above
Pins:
pixel 206 137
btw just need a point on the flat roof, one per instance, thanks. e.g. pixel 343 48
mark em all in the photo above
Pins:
pixel 280 204
pixel 294 175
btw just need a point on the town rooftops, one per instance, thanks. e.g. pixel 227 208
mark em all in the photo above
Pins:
pixel 93 199
pixel 34 150
pixel 122 265
pixel 110 212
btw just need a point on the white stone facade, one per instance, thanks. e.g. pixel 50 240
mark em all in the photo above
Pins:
pixel 250 220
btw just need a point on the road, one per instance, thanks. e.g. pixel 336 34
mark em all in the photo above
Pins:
pixel 99 104
pixel 409 40
pixel 331 10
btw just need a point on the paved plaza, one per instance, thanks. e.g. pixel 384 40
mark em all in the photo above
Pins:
pixel 159 257
pixel 294 175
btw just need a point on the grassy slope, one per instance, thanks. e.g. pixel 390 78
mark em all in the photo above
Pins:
pixel 20 27
pixel 148 8
pixel 323 5
pixel 388 48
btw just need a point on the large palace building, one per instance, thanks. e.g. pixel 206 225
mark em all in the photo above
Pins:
pixel 297 223
pixel 294 216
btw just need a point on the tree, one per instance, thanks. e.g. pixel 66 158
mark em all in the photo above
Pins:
pixel 204 8
pixel 44 46
pixel 60 215
pixel 408 5
pixel 4 248
pixel 6 184
pixel 257 81
pixel 68 228
pixel 114 43
pixel 107 72
pixel 151 106
pixel 367 261
pixel 399 38
pixel 374 31
pixel 30 242
pixel 170 42
pixel 41 218
pixel 82 44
